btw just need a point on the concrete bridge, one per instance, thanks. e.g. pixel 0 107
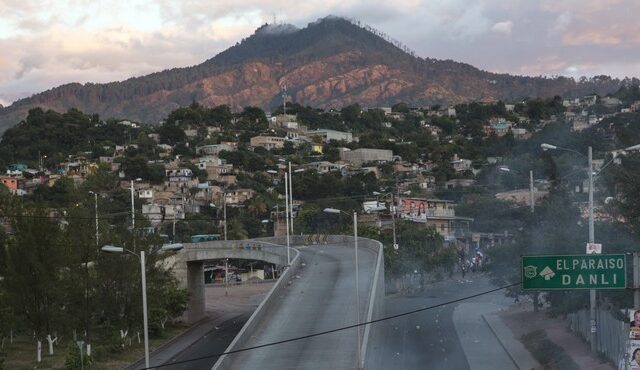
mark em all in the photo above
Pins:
pixel 315 293
pixel 188 265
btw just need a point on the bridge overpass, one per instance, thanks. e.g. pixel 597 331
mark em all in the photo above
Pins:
pixel 314 294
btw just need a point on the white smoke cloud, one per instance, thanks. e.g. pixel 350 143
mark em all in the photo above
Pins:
pixel 503 27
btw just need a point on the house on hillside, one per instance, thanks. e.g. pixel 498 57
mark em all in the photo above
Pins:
pixel 436 213
pixel 327 135
pixel 358 157
pixel 268 142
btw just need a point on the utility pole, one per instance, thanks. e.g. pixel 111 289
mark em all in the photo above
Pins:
pixel 393 222
pixel 531 197
pixel 133 219
pixel 286 213
pixel 636 280
pixel 355 245
pixel 291 197
pixel 95 198
pixel 226 276
pixel 145 322
pixel 592 292
pixel 173 235
pixel 224 200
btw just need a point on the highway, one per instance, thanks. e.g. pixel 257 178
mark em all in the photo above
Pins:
pixel 321 297
pixel 453 336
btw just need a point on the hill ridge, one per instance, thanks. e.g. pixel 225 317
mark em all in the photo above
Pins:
pixel 331 62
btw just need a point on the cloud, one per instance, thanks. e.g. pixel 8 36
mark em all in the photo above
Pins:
pixel 562 22
pixel 503 27
pixel 66 41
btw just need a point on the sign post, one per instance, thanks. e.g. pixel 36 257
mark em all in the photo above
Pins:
pixel 568 272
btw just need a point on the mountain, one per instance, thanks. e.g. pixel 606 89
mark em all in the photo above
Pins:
pixel 330 63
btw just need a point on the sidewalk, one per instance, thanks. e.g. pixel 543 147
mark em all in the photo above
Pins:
pixel 521 319
pixel 516 350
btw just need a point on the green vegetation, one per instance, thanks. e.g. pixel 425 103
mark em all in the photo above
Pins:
pixel 56 281
pixel 548 354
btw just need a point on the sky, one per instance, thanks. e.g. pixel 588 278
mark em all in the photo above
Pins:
pixel 47 43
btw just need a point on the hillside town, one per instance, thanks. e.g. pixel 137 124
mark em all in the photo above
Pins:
pixel 207 176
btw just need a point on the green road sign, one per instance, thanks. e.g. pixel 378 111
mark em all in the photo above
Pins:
pixel 588 271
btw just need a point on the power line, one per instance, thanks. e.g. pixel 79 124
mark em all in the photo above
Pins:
pixel 337 329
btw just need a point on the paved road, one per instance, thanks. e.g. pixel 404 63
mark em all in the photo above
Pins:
pixel 320 298
pixel 449 337
pixel 227 312
pixel 213 342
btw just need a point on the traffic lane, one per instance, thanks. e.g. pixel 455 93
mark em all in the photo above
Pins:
pixel 214 342
pixel 429 339
pixel 426 339
pixel 321 297
pixel 482 348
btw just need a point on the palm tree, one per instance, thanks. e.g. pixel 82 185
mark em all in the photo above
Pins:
pixel 257 206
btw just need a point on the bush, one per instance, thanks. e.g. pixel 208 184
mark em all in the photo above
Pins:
pixel 72 361
pixel 549 354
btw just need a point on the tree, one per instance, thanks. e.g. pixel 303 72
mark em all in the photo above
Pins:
pixel 257 206
pixel 171 134
pixel 400 108
pixel 35 259
pixel 236 230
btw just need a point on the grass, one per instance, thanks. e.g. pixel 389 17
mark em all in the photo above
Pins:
pixel 548 354
pixel 21 355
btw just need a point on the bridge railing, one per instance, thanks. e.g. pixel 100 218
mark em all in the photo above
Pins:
pixel 371 333
pixel 265 308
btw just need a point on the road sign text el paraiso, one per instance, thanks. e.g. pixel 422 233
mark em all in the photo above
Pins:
pixel 604 271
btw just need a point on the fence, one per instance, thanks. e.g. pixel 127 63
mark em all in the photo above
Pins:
pixel 611 337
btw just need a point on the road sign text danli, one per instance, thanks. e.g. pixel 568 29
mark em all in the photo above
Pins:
pixel 574 272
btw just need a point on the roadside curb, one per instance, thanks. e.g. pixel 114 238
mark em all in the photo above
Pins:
pixel 513 347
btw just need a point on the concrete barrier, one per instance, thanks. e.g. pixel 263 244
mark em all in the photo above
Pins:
pixel 263 310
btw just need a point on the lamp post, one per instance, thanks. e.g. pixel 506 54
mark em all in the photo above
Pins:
pixel 531 193
pixel 355 247
pixel 291 193
pixel 143 273
pixel 224 207
pixel 592 292
pixel 286 213
pixel 133 213
pixel 95 198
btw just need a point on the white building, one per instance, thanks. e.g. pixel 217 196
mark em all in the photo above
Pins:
pixel 328 135
pixel 268 142
pixel 363 155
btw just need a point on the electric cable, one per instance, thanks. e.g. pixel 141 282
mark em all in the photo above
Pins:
pixel 386 318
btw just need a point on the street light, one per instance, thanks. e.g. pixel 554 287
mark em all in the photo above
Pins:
pixel 291 194
pixel 592 292
pixel 143 273
pixel 355 247
pixel 531 195
pixel 95 196
pixel 133 212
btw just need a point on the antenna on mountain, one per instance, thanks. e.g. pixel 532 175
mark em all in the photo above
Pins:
pixel 274 18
